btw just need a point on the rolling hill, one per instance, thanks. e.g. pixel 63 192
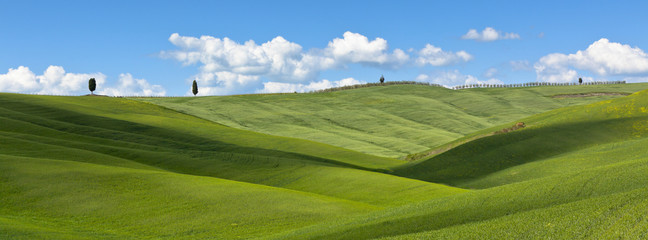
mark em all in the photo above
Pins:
pixel 113 168
pixel 71 161
pixel 576 172
pixel 389 121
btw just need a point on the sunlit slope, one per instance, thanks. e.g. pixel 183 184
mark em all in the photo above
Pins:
pixel 137 122
pixel 568 139
pixel 597 203
pixel 617 216
pixel 390 121
pixel 57 199
pixel 148 136
pixel 94 167
pixel 596 190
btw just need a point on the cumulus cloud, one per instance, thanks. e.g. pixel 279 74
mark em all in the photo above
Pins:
pixel 54 80
pixel 356 48
pixel 437 57
pixel 20 79
pixel 279 87
pixel 488 35
pixel 129 86
pixel 454 78
pixel 278 59
pixel 603 58
pixel 226 66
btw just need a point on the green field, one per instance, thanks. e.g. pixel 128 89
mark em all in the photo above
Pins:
pixel 390 121
pixel 327 165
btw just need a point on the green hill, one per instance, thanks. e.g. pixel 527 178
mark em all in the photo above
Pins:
pixel 58 199
pixel 576 172
pixel 390 121
pixel 95 167
pixel 112 168
pixel 563 135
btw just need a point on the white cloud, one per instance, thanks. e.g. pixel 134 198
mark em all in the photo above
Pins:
pixel 454 78
pixel 226 66
pixel 221 83
pixel 489 34
pixel 53 81
pixel 356 48
pixel 602 58
pixel 56 81
pixel 20 79
pixel 279 87
pixel 279 59
pixel 437 57
pixel 129 86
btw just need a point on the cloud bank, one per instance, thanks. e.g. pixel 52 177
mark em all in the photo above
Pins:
pixel 55 81
pixel 279 87
pixel 129 86
pixel 437 57
pixel 225 66
pixel 602 58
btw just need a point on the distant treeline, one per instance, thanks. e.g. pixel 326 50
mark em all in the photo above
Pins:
pixel 529 84
pixel 375 85
pixel 533 84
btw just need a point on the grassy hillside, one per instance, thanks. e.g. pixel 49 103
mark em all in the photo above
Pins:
pixel 554 141
pixel 390 121
pixel 56 199
pixel 94 167
pixel 602 203
pixel 545 181
pixel 110 168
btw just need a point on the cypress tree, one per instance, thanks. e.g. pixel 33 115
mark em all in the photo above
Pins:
pixel 92 85
pixel 194 88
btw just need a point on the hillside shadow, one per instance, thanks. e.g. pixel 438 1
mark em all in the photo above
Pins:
pixel 113 134
pixel 484 156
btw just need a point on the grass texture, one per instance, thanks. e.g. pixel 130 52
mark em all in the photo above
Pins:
pixel 389 121
pixel 113 168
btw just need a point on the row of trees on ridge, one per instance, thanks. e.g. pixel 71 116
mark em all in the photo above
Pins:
pixel 92 85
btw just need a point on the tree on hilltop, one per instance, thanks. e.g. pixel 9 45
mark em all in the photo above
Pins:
pixel 382 79
pixel 92 85
pixel 194 88
pixel 580 80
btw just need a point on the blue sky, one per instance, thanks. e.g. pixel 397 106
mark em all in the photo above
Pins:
pixel 159 47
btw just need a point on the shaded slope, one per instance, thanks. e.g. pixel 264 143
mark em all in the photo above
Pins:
pixel 572 204
pixel 388 121
pixel 547 136
pixel 594 189
pixel 129 121
pixel 127 133
pixel 616 216
pixel 155 173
